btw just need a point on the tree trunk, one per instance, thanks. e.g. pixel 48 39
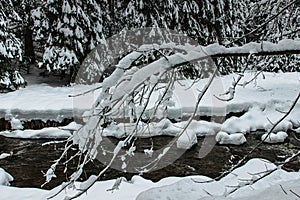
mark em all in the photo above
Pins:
pixel 29 49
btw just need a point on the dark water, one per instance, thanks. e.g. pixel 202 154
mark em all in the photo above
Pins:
pixel 30 158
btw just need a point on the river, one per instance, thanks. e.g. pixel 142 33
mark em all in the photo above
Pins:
pixel 30 159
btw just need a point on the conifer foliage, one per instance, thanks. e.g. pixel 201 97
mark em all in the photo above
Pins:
pixel 10 48
pixel 59 34
pixel 74 28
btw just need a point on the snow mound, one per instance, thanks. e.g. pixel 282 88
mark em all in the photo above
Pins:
pixel 274 138
pixel 275 192
pixel 16 124
pixel 225 138
pixel 73 126
pixel 163 127
pixel 186 140
pixel 115 130
pixel 262 117
pixel 5 177
pixel 297 130
pixel 4 155
pixel 252 120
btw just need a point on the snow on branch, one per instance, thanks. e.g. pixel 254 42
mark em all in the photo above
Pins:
pixel 285 46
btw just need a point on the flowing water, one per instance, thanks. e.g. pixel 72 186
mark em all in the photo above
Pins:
pixel 30 159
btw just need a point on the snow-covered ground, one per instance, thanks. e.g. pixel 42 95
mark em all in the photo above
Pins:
pixel 243 183
pixel 261 100
pixel 240 184
pixel 41 101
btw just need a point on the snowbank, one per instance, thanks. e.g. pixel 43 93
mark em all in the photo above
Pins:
pixel 45 133
pixel 261 100
pixel 73 126
pixel 243 183
pixel 237 185
pixel 45 102
pixel 164 127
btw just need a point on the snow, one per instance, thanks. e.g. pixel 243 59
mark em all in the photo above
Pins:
pixel 250 121
pixel 16 124
pixel 187 140
pixel 253 47
pixel 261 100
pixel 45 133
pixel 225 138
pixel 4 155
pixel 239 184
pixel 14 193
pixel 165 127
pixel 5 177
pixel 45 102
pixel 73 126
pixel 242 183
pixel 274 138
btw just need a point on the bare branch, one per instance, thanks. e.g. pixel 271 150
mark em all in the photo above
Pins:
pixel 86 92
pixel 283 189
pixel 297 195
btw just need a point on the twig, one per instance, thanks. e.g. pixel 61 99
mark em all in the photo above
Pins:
pixel 256 75
pixel 231 90
pixel 297 195
pixel 207 192
pixel 283 189
pixel 86 92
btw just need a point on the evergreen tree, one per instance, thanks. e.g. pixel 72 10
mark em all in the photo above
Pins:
pixel 75 27
pixel 24 9
pixel 10 45
pixel 285 25
pixel 10 48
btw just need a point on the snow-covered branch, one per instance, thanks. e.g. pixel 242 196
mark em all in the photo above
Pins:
pixel 285 46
